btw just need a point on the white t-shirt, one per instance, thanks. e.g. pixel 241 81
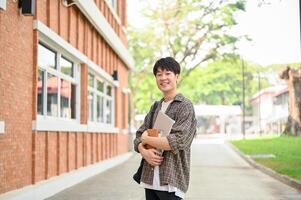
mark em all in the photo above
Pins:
pixel 156 181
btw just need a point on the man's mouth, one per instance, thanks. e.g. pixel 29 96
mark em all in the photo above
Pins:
pixel 164 84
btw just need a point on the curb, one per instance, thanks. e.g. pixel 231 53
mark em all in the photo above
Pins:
pixel 283 178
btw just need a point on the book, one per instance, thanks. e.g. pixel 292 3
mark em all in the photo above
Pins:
pixel 162 127
pixel 163 124
pixel 152 133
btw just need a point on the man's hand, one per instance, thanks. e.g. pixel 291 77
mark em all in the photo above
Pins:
pixel 151 155
pixel 144 137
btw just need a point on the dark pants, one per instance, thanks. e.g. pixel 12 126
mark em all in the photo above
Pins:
pixel 160 195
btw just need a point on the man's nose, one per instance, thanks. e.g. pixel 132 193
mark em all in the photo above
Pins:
pixel 163 76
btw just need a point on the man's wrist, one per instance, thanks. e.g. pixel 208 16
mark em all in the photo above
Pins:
pixel 140 147
pixel 144 139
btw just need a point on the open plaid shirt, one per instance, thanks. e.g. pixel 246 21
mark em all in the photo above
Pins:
pixel 175 168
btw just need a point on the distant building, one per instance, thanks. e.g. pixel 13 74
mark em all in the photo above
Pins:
pixel 63 88
pixel 270 109
pixel 218 119
pixel 212 119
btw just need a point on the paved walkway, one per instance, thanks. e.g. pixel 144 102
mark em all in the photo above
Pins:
pixel 218 173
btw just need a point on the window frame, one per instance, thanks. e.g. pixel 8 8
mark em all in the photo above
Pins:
pixel 114 9
pixel 2 127
pixel 51 39
pixel 105 97
pixel 60 75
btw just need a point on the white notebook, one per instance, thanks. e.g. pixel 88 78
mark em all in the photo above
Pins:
pixel 163 123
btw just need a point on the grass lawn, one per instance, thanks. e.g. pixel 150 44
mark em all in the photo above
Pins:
pixel 287 150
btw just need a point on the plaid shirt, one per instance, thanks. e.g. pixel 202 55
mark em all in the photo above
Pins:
pixel 175 168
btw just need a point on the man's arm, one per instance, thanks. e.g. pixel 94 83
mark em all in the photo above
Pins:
pixel 142 128
pixel 158 142
pixel 183 132
pixel 150 155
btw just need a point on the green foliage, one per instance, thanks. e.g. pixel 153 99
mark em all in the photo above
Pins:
pixel 146 91
pixel 192 31
pixel 220 82
pixel 287 150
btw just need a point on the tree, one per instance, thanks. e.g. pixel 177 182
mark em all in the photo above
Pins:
pixel 293 79
pixel 192 31
pixel 221 83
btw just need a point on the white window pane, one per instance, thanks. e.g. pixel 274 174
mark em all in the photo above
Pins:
pixel 100 86
pixel 113 4
pixel 66 67
pixel 41 86
pixel 109 90
pixel 73 101
pixel 109 111
pixel 67 95
pixel 99 110
pixel 91 107
pixel 46 57
pixel 52 95
pixel 91 80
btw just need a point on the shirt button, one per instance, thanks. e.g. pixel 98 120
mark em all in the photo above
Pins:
pixel 152 169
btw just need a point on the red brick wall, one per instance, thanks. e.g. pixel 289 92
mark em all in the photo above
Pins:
pixel 16 60
pixel 27 156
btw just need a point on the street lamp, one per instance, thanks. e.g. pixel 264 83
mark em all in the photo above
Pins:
pixel 259 103
pixel 243 98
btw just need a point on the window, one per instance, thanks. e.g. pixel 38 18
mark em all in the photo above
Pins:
pixel 52 95
pixel 41 88
pixel 57 84
pixel 100 100
pixel 113 4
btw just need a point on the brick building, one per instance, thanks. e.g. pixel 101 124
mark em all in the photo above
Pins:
pixel 63 88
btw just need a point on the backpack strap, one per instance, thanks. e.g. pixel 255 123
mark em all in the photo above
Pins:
pixel 152 113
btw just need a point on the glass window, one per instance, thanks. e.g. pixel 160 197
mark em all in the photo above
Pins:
pixel 99 110
pixel 113 4
pixel 109 111
pixel 99 86
pixel 91 106
pixel 41 87
pixel 73 101
pixel 109 90
pixel 66 67
pixel 52 95
pixel 67 97
pixel 60 98
pixel 91 80
pixel 47 58
pixel 101 96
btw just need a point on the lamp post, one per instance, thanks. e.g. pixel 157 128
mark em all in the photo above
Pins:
pixel 243 98
pixel 259 103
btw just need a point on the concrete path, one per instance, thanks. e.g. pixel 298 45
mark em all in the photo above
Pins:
pixel 217 173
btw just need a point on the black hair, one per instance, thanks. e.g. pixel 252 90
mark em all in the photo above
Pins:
pixel 169 64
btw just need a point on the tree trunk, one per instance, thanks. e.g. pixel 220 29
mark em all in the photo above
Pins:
pixel 293 79
pixel 222 96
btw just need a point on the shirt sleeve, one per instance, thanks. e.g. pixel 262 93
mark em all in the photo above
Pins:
pixel 184 129
pixel 142 128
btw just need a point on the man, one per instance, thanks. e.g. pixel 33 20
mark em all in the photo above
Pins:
pixel 166 176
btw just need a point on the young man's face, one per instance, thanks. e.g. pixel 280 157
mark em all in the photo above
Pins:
pixel 166 80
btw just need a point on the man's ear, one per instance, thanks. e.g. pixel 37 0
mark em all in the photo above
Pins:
pixel 177 78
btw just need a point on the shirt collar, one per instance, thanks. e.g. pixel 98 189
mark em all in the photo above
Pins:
pixel 178 97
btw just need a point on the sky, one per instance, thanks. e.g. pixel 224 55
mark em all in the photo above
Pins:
pixel 274 30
